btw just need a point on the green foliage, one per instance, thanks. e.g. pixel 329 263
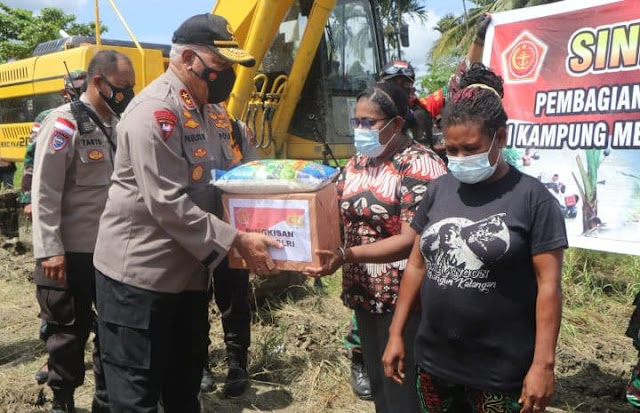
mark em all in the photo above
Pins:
pixel 598 289
pixel 17 176
pixel 439 72
pixel 592 275
pixel 21 31
pixel 459 31
pixel 393 13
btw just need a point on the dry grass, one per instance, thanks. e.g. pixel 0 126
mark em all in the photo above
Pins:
pixel 298 364
pixel 297 361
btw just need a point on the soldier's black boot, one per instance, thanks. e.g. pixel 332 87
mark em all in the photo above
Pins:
pixel 359 378
pixel 62 402
pixel 237 381
pixel 207 384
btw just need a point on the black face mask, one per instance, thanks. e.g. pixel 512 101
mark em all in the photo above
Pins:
pixel 220 83
pixel 119 99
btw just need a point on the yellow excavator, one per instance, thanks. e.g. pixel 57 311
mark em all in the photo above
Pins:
pixel 313 56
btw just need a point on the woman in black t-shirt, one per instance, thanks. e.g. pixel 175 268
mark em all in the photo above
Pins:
pixel 487 263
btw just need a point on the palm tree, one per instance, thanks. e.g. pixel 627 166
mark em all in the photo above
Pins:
pixel 393 14
pixel 459 32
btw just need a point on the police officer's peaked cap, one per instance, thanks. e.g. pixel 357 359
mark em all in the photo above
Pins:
pixel 216 32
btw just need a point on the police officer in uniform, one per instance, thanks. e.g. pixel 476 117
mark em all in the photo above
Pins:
pixel 157 241
pixel 71 177
pixel 74 83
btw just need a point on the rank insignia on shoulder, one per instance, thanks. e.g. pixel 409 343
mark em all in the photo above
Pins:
pixel 200 153
pixel 197 173
pixel 167 121
pixel 186 99
pixel 190 122
pixel 95 155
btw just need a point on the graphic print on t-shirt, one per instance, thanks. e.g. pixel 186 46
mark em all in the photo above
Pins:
pixel 458 251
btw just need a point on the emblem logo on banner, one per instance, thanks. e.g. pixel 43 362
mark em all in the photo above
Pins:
pixel 524 58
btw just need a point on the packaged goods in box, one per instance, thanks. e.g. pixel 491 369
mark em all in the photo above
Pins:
pixel 302 222
pixel 276 176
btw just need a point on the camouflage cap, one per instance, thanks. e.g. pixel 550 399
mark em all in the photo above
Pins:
pixel 72 77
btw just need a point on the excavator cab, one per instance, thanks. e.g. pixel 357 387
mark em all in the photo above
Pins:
pixel 306 83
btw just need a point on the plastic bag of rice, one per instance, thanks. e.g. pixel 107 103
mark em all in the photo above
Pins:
pixel 276 176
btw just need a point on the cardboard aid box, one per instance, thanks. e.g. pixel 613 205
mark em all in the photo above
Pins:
pixel 302 222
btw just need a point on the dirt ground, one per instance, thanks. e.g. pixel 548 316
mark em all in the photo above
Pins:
pixel 297 361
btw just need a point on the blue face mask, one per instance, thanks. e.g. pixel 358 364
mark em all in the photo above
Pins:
pixel 367 141
pixel 472 169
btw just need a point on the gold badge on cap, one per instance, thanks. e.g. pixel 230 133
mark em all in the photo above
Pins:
pixel 231 32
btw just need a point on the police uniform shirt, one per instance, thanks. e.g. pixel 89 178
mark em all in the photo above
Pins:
pixel 70 184
pixel 158 231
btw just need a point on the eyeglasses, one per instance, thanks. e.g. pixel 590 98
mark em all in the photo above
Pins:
pixel 366 123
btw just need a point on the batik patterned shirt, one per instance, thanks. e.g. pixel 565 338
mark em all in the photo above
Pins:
pixel 374 201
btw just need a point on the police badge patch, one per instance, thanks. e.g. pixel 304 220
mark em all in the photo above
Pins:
pixel 63 130
pixel 167 121
pixel 190 122
pixel 200 153
pixel 95 155
pixel 197 173
pixel 59 142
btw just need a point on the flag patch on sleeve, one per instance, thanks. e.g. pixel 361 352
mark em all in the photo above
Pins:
pixel 63 130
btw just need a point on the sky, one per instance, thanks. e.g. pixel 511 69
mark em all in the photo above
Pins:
pixel 155 20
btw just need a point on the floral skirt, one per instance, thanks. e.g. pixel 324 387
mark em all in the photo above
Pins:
pixel 439 396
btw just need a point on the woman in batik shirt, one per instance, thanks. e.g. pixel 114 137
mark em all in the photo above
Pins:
pixel 379 191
